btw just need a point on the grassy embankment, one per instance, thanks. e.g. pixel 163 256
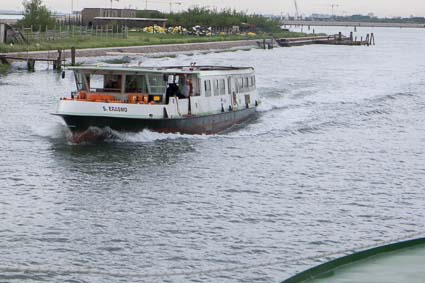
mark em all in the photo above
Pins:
pixel 134 39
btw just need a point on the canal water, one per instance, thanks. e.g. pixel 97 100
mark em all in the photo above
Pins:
pixel 335 160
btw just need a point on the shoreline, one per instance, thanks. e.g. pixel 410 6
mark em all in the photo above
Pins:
pixel 350 24
pixel 141 50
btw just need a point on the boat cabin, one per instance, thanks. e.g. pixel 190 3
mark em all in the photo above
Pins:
pixel 156 85
pixel 190 90
pixel 133 87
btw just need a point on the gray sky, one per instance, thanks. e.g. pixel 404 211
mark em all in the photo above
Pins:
pixel 379 7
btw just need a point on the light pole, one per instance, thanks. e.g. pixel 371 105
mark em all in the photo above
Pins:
pixel 171 5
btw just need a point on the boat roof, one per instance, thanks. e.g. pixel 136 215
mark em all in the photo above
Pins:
pixel 200 70
pixel 394 263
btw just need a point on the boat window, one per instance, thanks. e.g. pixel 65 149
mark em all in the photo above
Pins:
pixel 207 86
pixel 216 89
pixel 112 83
pixel 246 85
pixel 136 84
pixel 222 86
pixel 96 82
pixel 229 85
pixel 79 79
pixel 157 85
pixel 104 83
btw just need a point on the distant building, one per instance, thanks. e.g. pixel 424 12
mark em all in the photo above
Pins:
pixel 111 17
pixel 321 16
pixel 10 18
pixel 70 19
pixel 129 22
pixel 88 15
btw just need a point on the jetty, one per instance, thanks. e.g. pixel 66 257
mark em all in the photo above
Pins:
pixel 337 39
pixel 57 62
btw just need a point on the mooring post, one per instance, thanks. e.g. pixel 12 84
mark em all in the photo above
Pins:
pixel 340 36
pixel 4 61
pixel 57 65
pixel 351 36
pixel 73 54
pixel 31 65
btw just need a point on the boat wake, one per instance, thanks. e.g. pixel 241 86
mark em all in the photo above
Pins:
pixel 147 136
pixel 107 135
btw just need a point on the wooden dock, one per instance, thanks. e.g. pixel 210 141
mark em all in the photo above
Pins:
pixel 57 62
pixel 338 39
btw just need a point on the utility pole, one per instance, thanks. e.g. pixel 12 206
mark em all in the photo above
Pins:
pixel 171 5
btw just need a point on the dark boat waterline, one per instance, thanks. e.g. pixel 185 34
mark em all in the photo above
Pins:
pixel 193 125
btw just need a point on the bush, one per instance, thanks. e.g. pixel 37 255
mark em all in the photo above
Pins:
pixel 225 18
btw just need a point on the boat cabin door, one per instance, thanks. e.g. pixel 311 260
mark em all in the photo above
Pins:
pixel 232 90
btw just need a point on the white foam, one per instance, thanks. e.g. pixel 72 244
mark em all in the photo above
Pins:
pixel 54 130
pixel 147 136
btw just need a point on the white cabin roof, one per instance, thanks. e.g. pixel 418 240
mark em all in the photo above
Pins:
pixel 199 70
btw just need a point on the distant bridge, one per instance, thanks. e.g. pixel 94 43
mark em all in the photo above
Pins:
pixel 348 24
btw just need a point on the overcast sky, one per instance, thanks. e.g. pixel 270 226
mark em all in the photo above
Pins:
pixel 387 8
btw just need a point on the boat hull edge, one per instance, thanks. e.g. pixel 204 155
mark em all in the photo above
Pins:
pixel 206 124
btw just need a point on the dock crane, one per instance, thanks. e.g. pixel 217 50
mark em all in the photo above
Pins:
pixel 297 14
pixel 332 8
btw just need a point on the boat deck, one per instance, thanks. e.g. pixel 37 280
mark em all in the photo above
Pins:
pixel 403 264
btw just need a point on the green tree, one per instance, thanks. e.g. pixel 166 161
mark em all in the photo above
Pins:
pixel 36 15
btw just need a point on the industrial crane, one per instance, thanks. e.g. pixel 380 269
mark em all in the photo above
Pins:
pixel 297 14
pixel 332 8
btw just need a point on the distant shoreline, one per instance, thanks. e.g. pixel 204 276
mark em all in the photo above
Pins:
pixel 351 24
pixel 148 50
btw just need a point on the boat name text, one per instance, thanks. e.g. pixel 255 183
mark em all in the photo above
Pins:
pixel 114 109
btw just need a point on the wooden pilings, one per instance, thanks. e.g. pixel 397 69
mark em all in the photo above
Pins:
pixel 73 55
pixel 57 63
pixel 31 65
pixel 338 39
pixel 266 44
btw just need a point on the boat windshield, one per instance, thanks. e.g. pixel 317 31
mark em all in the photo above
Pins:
pixel 157 84
pixel 80 81
pixel 105 83
pixel 136 84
